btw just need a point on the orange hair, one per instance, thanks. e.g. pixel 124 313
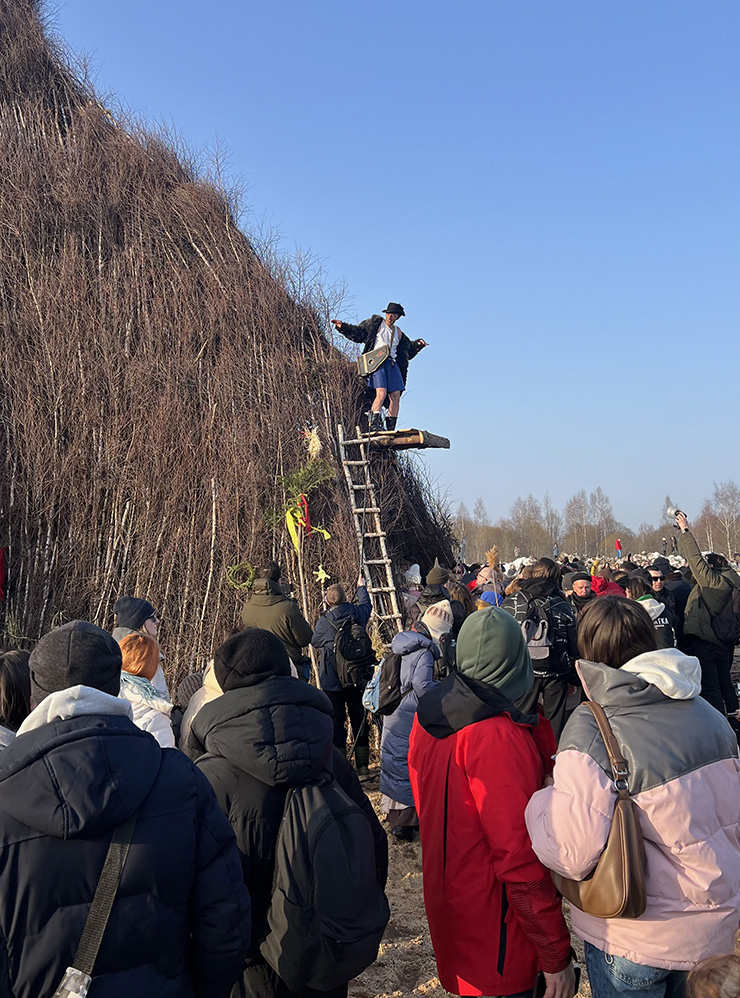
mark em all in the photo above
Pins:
pixel 140 655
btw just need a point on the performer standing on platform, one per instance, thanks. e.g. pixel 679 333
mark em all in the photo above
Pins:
pixel 390 378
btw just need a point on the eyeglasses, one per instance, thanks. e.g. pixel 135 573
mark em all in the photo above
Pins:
pixel 658 578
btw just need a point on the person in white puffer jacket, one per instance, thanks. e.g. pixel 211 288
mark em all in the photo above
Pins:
pixel 140 661
pixel 138 616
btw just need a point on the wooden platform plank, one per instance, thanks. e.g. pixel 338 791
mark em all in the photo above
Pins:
pixel 406 439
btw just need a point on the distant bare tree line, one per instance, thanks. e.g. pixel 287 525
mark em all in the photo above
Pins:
pixel 587 526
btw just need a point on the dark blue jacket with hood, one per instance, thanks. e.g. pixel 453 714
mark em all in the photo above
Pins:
pixel 326 631
pixel 179 927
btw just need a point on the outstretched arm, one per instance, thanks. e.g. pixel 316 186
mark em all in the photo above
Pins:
pixel 358 334
pixel 704 574
pixel 416 346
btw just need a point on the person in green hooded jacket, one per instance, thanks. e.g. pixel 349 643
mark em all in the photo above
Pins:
pixel 709 619
pixel 271 610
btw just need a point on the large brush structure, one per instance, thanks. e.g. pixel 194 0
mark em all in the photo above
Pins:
pixel 155 374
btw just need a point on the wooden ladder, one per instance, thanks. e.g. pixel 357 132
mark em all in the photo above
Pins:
pixel 371 538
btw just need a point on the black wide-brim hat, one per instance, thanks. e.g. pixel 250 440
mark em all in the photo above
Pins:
pixel 394 307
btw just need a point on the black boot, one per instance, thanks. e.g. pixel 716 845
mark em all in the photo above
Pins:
pixel 362 758
pixel 375 424
pixel 402 833
pixel 390 423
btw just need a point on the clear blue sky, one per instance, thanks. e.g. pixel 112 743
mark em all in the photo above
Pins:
pixel 550 189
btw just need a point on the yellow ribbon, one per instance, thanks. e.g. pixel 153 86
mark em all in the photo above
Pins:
pixel 294 520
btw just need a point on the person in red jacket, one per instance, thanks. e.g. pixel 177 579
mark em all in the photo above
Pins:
pixel 603 584
pixel 494 915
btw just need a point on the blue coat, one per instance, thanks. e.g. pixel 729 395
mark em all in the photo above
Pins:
pixel 417 676
pixel 324 634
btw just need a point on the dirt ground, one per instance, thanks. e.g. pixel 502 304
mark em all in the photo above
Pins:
pixel 405 966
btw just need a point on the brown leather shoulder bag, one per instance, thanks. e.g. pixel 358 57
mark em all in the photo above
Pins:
pixel 615 888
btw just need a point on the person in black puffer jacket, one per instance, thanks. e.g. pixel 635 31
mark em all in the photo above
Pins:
pixel 551 674
pixel 268 732
pixel 77 769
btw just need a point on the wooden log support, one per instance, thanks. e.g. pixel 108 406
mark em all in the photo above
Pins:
pixel 410 439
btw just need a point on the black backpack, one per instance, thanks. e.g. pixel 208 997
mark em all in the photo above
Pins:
pixel 353 653
pixel 390 693
pixel 726 624
pixel 327 914
pixel 447 661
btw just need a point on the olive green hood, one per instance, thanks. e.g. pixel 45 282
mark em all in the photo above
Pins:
pixel 491 649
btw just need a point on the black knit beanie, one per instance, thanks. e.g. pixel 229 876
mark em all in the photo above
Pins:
pixel 271 571
pixel 249 657
pixel 75 654
pixel 132 612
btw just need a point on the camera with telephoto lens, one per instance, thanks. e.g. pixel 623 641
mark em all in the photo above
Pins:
pixel 672 513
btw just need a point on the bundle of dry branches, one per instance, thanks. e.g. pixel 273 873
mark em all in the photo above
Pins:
pixel 156 372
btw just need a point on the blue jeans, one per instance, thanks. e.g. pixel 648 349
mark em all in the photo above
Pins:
pixel 617 977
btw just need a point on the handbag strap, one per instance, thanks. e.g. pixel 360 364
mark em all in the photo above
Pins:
pixel 620 768
pixel 105 894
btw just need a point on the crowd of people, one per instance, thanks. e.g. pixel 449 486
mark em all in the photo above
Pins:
pixel 89 736
pixel 488 753
pixel 504 798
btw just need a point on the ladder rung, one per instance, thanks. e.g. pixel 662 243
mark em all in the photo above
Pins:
pixel 365 492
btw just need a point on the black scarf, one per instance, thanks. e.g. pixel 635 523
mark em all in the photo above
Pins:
pixel 579 603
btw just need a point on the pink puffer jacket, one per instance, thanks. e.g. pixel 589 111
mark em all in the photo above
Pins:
pixel 685 778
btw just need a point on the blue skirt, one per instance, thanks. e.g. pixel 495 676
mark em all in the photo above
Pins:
pixel 387 376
